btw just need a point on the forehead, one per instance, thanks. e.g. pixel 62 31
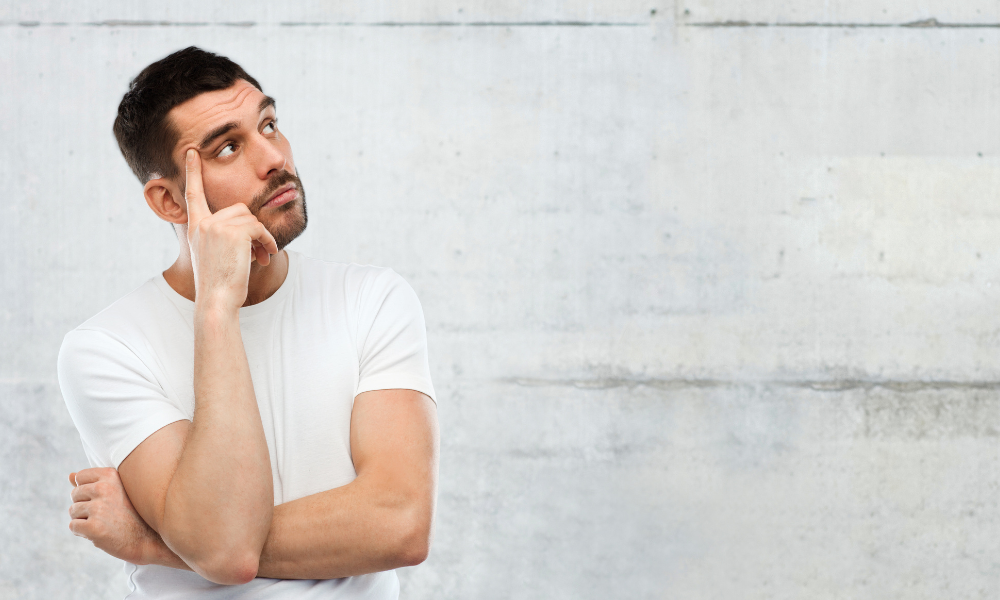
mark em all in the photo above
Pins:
pixel 199 115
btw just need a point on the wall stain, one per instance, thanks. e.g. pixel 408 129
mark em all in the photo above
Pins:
pixel 125 23
pixel 819 385
pixel 931 23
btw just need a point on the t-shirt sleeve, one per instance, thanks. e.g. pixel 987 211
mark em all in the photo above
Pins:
pixel 113 398
pixel 392 337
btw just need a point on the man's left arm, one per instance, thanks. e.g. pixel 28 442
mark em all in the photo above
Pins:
pixel 382 520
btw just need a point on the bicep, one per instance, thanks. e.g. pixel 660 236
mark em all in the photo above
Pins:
pixel 394 440
pixel 146 472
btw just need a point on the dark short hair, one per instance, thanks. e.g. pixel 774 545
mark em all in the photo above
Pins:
pixel 145 135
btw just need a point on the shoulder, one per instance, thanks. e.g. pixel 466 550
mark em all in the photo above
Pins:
pixel 146 302
pixel 121 325
pixel 105 351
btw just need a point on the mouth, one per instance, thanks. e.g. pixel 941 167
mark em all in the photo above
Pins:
pixel 282 195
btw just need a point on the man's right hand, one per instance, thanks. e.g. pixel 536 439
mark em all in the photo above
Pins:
pixel 222 244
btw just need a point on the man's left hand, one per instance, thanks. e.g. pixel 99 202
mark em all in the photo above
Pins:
pixel 103 514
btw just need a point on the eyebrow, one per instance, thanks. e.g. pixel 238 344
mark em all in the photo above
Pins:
pixel 227 127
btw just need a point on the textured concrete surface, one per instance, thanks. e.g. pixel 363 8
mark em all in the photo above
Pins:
pixel 710 285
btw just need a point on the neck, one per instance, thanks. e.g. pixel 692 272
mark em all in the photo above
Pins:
pixel 264 281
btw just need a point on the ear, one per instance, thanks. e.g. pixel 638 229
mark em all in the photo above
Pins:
pixel 165 198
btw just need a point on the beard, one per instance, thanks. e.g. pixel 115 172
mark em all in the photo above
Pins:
pixel 287 221
pixel 283 233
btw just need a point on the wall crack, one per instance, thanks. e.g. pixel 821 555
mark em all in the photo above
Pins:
pixel 931 23
pixel 116 23
pixel 819 385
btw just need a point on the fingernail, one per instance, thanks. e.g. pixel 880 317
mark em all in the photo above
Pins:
pixel 190 155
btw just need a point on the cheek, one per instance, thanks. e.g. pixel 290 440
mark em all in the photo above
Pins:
pixel 223 192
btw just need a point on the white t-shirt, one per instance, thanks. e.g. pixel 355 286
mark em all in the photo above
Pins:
pixel 329 333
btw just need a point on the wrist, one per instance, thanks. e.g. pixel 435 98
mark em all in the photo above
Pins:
pixel 209 308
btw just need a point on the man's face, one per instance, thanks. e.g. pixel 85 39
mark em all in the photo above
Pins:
pixel 244 157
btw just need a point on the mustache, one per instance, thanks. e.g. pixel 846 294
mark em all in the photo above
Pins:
pixel 273 184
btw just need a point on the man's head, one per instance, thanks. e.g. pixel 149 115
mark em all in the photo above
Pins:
pixel 196 99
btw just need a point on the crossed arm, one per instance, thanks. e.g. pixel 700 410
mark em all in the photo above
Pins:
pixel 380 521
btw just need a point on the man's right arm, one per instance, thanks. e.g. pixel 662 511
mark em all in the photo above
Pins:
pixel 205 486
pixel 181 509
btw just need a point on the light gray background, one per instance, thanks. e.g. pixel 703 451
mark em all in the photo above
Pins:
pixel 710 285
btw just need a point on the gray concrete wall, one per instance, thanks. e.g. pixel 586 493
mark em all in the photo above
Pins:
pixel 710 286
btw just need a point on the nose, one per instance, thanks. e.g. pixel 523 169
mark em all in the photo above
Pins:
pixel 268 158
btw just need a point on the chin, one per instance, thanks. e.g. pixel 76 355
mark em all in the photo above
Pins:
pixel 289 222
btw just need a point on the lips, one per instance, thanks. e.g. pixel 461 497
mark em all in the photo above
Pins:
pixel 285 193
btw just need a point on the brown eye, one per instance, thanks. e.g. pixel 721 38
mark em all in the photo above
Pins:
pixel 227 150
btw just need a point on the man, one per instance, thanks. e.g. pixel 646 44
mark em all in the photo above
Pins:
pixel 261 424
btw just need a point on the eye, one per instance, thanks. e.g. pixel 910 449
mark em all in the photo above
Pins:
pixel 227 150
pixel 271 127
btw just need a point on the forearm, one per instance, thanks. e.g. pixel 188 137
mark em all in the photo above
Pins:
pixel 332 534
pixel 219 503
pixel 359 528
pixel 382 520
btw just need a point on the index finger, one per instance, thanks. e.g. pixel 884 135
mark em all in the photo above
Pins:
pixel 194 193
pixel 89 475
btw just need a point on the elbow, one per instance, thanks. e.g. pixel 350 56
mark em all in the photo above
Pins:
pixel 414 554
pixel 230 569
pixel 221 559
pixel 233 565
pixel 415 542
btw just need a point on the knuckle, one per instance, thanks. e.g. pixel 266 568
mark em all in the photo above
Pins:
pixel 79 527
